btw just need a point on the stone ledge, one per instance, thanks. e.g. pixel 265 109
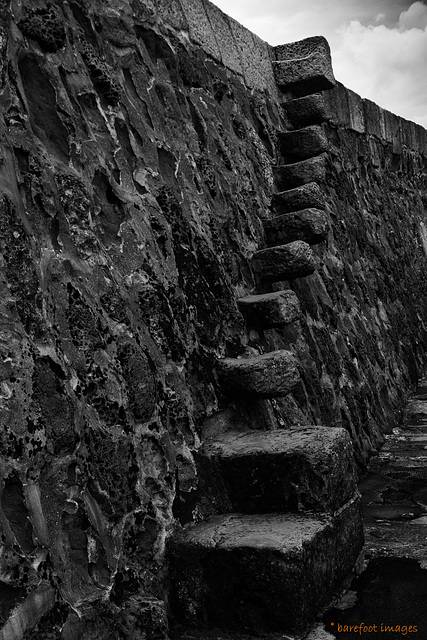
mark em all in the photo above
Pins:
pixel 304 67
pixel 302 144
pixel 270 310
pixel 309 225
pixel 269 375
pixel 288 176
pixel 307 196
pixel 299 469
pixel 302 112
pixel 271 572
pixel 285 262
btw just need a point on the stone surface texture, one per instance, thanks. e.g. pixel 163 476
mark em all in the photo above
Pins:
pixel 284 262
pixel 270 309
pixel 302 469
pixel 268 375
pixel 225 565
pixel 138 140
pixel 309 225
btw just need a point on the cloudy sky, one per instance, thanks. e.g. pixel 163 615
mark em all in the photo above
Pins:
pixel 379 47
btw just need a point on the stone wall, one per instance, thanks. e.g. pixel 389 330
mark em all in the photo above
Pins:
pixel 139 146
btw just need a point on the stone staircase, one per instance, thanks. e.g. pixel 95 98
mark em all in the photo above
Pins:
pixel 287 528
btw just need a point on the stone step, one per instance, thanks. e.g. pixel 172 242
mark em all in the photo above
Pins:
pixel 302 112
pixel 270 310
pixel 302 143
pixel 309 225
pixel 307 196
pixel 304 67
pixel 262 572
pixel 285 262
pixel 288 176
pixel 416 412
pixel 298 469
pixel 269 375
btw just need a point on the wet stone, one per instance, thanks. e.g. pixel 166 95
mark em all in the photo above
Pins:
pixel 309 225
pixel 302 143
pixel 285 262
pixel 270 309
pixel 292 175
pixel 270 375
pixel 298 469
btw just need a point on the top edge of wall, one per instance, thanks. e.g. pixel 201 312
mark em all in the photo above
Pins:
pixel 224 39
pixel 346 108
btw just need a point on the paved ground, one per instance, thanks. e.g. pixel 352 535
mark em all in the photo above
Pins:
pixel 389 599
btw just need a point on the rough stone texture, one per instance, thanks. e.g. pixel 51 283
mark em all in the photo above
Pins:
pixel 307 196
pixel 304 67
pixel 288 176
pixel 285 262
pixel 267 376
pixel 289 564
pixel 302 112
pixel 133 165
pixel 270 309
pixel 309 468
pixel 310 225
pixel 302 143
pixel 134 173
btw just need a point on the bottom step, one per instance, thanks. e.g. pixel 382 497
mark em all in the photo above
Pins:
pixel 254 573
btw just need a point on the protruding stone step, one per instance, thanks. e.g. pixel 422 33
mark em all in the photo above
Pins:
pixel 310 225
pixel 270 375
pixel 302 112
pixel 299 469
pixel 285 262
pixel 270 310
pixel 416 412
pixel 304 67
pixel 262 572
pixel 288 176
pixel 302 143
pixel 307 196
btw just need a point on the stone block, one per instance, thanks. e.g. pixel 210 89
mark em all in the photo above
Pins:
pixel 256 58
pixel 416 412
pixel 336 105
pixel 310 225
pixel 304 67
pixel 299 469
pixel 200 28
pixel 307 196
pixel 301 144
pixel 288 176
pixel 357 114
pixel 171 13
pixel 302 112
pixel 271 572
pixel 270 310
pixel 270 375
pixel 374 119
pixel 220 23
pixel 285 262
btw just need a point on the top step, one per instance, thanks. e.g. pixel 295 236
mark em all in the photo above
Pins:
pixel 304 67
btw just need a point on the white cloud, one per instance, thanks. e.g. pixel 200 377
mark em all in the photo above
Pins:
pixel 379 47
pixel 387 65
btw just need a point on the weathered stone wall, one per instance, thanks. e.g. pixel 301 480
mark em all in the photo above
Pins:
pixel 138 145
pixel 365 321
pixel 134 169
